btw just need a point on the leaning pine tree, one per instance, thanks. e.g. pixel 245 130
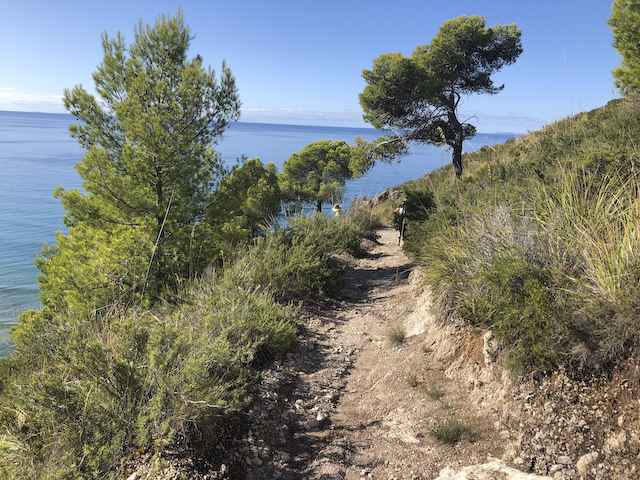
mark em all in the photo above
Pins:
pixel 418 97
pixel 148 170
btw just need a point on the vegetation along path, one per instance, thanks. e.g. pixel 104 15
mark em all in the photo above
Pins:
pixel 361 397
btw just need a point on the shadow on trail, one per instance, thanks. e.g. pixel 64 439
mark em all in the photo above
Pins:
pixel 359 282
pixel 323 367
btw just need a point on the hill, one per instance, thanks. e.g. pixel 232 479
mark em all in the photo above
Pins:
pixel 512 349
pixel 539 241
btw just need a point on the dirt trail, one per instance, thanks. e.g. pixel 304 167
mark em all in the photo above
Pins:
pixel 366 401
pixel 351 402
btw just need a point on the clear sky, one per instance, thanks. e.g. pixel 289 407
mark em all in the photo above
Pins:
pixel 300 61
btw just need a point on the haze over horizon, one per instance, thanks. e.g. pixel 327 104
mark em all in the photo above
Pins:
pixel 301 62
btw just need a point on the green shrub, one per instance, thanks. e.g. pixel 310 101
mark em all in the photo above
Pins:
pixel 365 221
pixel 451 430
pixel 538 241
pixel 299 260
pixel 517 302
pixel 85 387
pixel 105 386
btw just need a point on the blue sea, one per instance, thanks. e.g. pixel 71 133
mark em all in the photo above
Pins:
pixel 37 155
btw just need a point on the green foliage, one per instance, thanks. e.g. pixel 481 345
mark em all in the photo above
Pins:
pixel 149 164
pixel 365 222
pixel 417 97
pixel 451 430
pixel 538 242
pixel 245 202
pixel 91 270
pixel 86 387
pixel 516 300
pixel 419 203
pixel 80 395
pixel 318 173
pixel 300 259
pixel 625 25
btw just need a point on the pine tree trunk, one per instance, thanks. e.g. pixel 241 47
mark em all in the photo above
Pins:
pixel 458 137
pixel 456 158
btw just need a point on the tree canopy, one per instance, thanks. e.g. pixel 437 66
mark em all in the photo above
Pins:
pixel 318 173
pixel 245 201
pixel 625 26
pixel 418 97
pixel 150 165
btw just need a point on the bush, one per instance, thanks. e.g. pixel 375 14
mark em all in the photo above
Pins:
pixel 538 242
pixel 106 386
pixel 87 386
pixel 517 302
pixel 300 259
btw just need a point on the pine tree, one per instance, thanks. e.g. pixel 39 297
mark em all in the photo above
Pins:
pixel 150 165
pixel 625 25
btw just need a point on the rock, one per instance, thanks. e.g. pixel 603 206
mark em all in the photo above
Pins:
pixel 311 423
pixel 285 457
pixel 585 461
pixel 322 418
pixel 564 460
pixel 256 462
pixel 487 471
pixel 615 442
pixel 490 347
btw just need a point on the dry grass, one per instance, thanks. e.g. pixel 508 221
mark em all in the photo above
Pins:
pixel 396 333
pixel 434 390
pixel 451 430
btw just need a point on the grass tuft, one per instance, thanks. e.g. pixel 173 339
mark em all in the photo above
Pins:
pixel 451 430
pixel 396 333
pixel 434 390
pixel 412 379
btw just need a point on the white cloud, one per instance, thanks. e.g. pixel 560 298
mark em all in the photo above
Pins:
pixel 13 100
pixel 342 118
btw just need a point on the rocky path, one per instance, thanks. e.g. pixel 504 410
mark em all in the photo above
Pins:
pixel 361 396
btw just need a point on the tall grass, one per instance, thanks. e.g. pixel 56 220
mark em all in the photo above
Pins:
pixel 543 245
pixel 599 222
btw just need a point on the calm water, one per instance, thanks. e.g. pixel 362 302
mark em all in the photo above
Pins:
pixel 37 154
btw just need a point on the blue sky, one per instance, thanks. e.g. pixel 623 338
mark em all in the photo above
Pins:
pixel 301 61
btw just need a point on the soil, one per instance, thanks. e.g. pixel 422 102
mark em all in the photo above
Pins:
pixel 388 392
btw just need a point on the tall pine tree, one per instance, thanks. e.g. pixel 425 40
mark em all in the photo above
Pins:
pixel 149 165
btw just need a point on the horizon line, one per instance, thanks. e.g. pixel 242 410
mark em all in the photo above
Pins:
pixel 364 127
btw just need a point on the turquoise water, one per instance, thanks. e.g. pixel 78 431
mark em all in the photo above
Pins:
pixel 37 154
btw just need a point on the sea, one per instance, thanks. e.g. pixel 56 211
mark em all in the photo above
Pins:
pixel 37 155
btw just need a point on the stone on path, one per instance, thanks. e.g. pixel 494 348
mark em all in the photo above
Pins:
pixel 487 471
